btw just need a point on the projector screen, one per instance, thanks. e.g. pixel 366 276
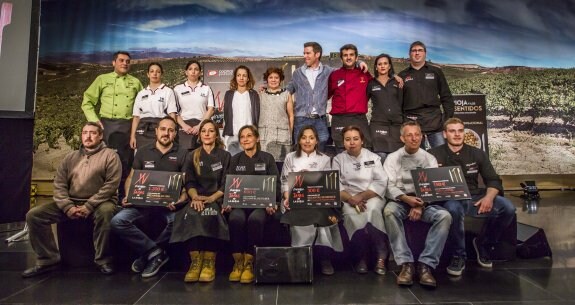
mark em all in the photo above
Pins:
pixel 19 30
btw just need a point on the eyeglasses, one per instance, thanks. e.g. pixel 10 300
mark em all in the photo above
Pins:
pixel 418 51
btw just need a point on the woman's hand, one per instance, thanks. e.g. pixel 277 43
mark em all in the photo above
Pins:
pixel 186 128
pixel 286 204
pixel 197 205
pixel 132 142
pixel 195 130
pixel 227 209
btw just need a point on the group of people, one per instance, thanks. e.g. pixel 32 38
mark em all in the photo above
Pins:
pixel 171 130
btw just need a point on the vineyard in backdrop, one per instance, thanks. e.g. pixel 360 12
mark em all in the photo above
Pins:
pixel 531 112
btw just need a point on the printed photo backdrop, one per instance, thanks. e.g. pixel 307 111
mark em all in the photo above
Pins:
pixel 517 53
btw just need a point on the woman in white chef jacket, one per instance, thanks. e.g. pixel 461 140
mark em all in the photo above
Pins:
pixel 305 222
pixel 150 106
pixel 195 104
pixel 362 187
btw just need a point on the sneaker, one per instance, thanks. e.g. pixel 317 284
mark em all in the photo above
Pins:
pixel 456 266
pixel 140 263
pixel 155 263
pixel 482 255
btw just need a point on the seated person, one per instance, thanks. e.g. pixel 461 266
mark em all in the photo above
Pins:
pixel 404 204
pixel 163 155
pixel 484 202
pixel 362 187
pixel 303 222
pixel 200 224
pixel 84 187
pixel 247 225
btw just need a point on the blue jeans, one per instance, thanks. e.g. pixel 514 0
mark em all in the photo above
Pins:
pixel 432 139
pixel 319 124
pixel 498 220
pixel 438 217
pixel 123 226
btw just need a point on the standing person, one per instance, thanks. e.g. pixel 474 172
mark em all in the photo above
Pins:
pixel 247 225
pixel 309 85
pixel 425 93
pixel 195 103
pixel 362 190
pixel 347 90
pixel 115 92
pixel 276 118
pixel 405 204
pixel 201 224
pixel 485 202
pixel 84 187
pixel 151 105
pixel 241 107
pixel 163 155
pixel 386 113
pixel 305 224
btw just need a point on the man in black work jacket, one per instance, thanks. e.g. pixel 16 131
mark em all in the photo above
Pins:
pixel 487 202
pixel 425 92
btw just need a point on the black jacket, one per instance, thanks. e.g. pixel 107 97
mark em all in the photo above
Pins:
pixel 229 111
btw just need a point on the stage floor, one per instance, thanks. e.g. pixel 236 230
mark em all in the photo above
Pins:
pixel 534 281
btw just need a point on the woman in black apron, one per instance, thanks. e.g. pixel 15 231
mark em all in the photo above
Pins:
pixel 247 225
pixel 387 108
pixel 195 104
pixel 151 105
pixel 201 224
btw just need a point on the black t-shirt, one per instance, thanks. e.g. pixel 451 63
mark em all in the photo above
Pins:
pixel 424 91
pixel 213 169
pixel 262 163
pixel 473 162
pixel 387 101
pixel 150 158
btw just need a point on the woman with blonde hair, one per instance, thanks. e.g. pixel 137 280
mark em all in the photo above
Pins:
pixel 201 224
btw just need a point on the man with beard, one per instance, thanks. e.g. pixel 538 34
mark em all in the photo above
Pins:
pixel 163 155
pixel 347 89
pixel 404 204
pixel 485 202
pixel 84 188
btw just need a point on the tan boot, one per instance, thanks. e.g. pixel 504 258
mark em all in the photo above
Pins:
pixel 208 273
pixel 193 273
pixel 236 273
pixel 248 273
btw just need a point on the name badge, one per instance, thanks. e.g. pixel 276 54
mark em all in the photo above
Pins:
pixel 429 76
pixel 340 82
pixel 186 93
pixel 260 167
pixel 217 166
pixel 376 88
pixel 145 97
pixel 369 164
pixel 149 164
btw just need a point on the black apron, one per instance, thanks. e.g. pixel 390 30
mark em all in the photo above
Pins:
pixel 338 122
pixel 146 131
pixel 319 217
pixel 188 141
pixel 385 137
pixel 190 223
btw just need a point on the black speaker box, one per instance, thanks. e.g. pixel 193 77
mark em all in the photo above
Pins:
pixel 284 265
pixel 531 242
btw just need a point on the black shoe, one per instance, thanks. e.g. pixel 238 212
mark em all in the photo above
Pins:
pixel 107 269
pixel 482 255
pixel 361 267
pixel 155 263
pixel 456 266
pixel 37 270
pixel 140 264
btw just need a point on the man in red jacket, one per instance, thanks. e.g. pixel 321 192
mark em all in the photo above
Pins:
pixel 347 90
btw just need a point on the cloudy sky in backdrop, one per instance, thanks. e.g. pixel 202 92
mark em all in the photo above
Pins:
pixel 536 33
